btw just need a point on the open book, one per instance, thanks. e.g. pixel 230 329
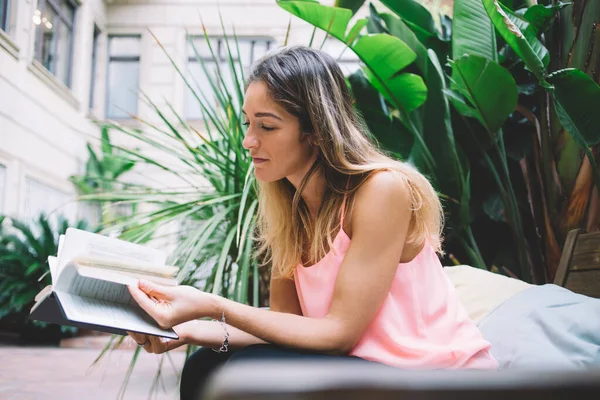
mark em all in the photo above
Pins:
pixel 90 275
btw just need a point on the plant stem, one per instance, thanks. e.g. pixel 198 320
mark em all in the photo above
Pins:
pixel 478 260
pixel 512 208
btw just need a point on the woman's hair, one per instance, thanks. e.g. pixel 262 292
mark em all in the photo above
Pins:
pixel 309 84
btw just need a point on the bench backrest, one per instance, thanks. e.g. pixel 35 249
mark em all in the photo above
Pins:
pixel 579 267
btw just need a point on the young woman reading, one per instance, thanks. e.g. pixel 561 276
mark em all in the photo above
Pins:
pixel 351 236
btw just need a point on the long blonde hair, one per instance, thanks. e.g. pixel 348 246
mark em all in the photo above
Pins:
pixel 309 84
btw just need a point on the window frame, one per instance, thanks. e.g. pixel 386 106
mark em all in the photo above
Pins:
pixel 4 24
pixel 42 6
pixel 221 42
pixel 94 66
pixel 110 59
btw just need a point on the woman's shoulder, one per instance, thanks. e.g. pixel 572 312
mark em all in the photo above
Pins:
pixel 382 186
pixel 384 194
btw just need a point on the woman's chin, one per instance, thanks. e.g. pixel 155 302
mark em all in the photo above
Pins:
pixel 262 176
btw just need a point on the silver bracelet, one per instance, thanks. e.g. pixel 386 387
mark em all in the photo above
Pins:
pixel 225 346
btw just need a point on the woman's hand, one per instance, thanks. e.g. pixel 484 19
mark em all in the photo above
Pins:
pixel 159 345
pixel 173 305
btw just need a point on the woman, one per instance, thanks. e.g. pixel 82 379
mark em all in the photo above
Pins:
pixel 351 235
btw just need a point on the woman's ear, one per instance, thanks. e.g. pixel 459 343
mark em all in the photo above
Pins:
pixel 312 139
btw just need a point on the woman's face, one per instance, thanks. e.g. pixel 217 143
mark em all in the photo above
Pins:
pixel 277 146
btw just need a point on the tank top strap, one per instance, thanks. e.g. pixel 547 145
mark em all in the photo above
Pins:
pixel 343 208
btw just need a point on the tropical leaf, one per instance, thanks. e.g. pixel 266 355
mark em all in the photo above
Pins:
pixel 24 250
pixel 353 5
pixel 472 31
pixel 515 38
pixel 396 27
pixel 439 135
pixel 415 15
pixel 477 77
pixel 576 99
pixel 389 131
pixel 530 33
pixel 105 141
pixel 541 16
pixel 385 56
pixel 332 20
pixel 579 99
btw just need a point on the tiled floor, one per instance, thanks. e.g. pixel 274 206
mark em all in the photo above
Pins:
pixel 32 373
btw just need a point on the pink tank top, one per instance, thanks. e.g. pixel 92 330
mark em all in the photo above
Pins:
pixel 421 324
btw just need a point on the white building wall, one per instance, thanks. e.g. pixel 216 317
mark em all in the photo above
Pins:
pixel 44 126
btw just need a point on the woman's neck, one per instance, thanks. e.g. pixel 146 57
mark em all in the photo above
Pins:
pixel 314 190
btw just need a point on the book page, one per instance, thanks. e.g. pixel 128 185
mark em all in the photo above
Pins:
pixel 122 277
pixel 78 243
pixel 96 262
pixel 61 243
pixel 71 282
pixel 129 317
pixel 53 265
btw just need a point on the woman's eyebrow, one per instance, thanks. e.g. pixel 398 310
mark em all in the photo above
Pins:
pixel 264 114
pixel 267 114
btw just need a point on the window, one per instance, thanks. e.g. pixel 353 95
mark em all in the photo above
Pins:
pixel 123 76
pixel 54 36
pixel 251 49
pixel 94 60
pixel 2 187
pixel 4 13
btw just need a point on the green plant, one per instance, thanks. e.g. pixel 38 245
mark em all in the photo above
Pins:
pixel 102 173
pixel 500 87
pixel 213 202
pixel 24 270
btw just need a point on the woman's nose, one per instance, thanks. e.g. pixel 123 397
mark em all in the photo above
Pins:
pixel 249 141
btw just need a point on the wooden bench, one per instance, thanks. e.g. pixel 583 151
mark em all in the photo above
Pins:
pixel 579 266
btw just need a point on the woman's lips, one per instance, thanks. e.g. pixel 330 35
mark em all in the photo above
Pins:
pixel 259 160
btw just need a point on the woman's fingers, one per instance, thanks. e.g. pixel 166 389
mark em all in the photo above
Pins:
pixel 159 345
pixel 143 300
pixel 153 299
pixel 139 338
pixel 154 290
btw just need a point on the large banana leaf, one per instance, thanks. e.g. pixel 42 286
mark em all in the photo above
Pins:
pixel 472 31
pixel 579 99
pixel 387 129
pixel 530 33
pixel 384 55
pixel 577 102
pixel 531 53
pixel 352 5
pixel 490 90
pixel 396 27
pixel 415 15
pixel 541 16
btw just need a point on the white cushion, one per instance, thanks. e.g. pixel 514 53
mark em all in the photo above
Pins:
pixel 481 291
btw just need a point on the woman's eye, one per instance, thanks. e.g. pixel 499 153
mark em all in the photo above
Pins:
pixel 268 128
pixel 246 123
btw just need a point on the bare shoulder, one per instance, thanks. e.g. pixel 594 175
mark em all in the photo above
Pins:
pixel 383 188
pixel 384 196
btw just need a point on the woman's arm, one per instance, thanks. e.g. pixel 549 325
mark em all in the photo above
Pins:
pixel 379 225
pixel 197 332
pixel 380 222
pixel 283 298
pixel 211 334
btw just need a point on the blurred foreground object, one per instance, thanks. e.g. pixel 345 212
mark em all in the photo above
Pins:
pixel 340 380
